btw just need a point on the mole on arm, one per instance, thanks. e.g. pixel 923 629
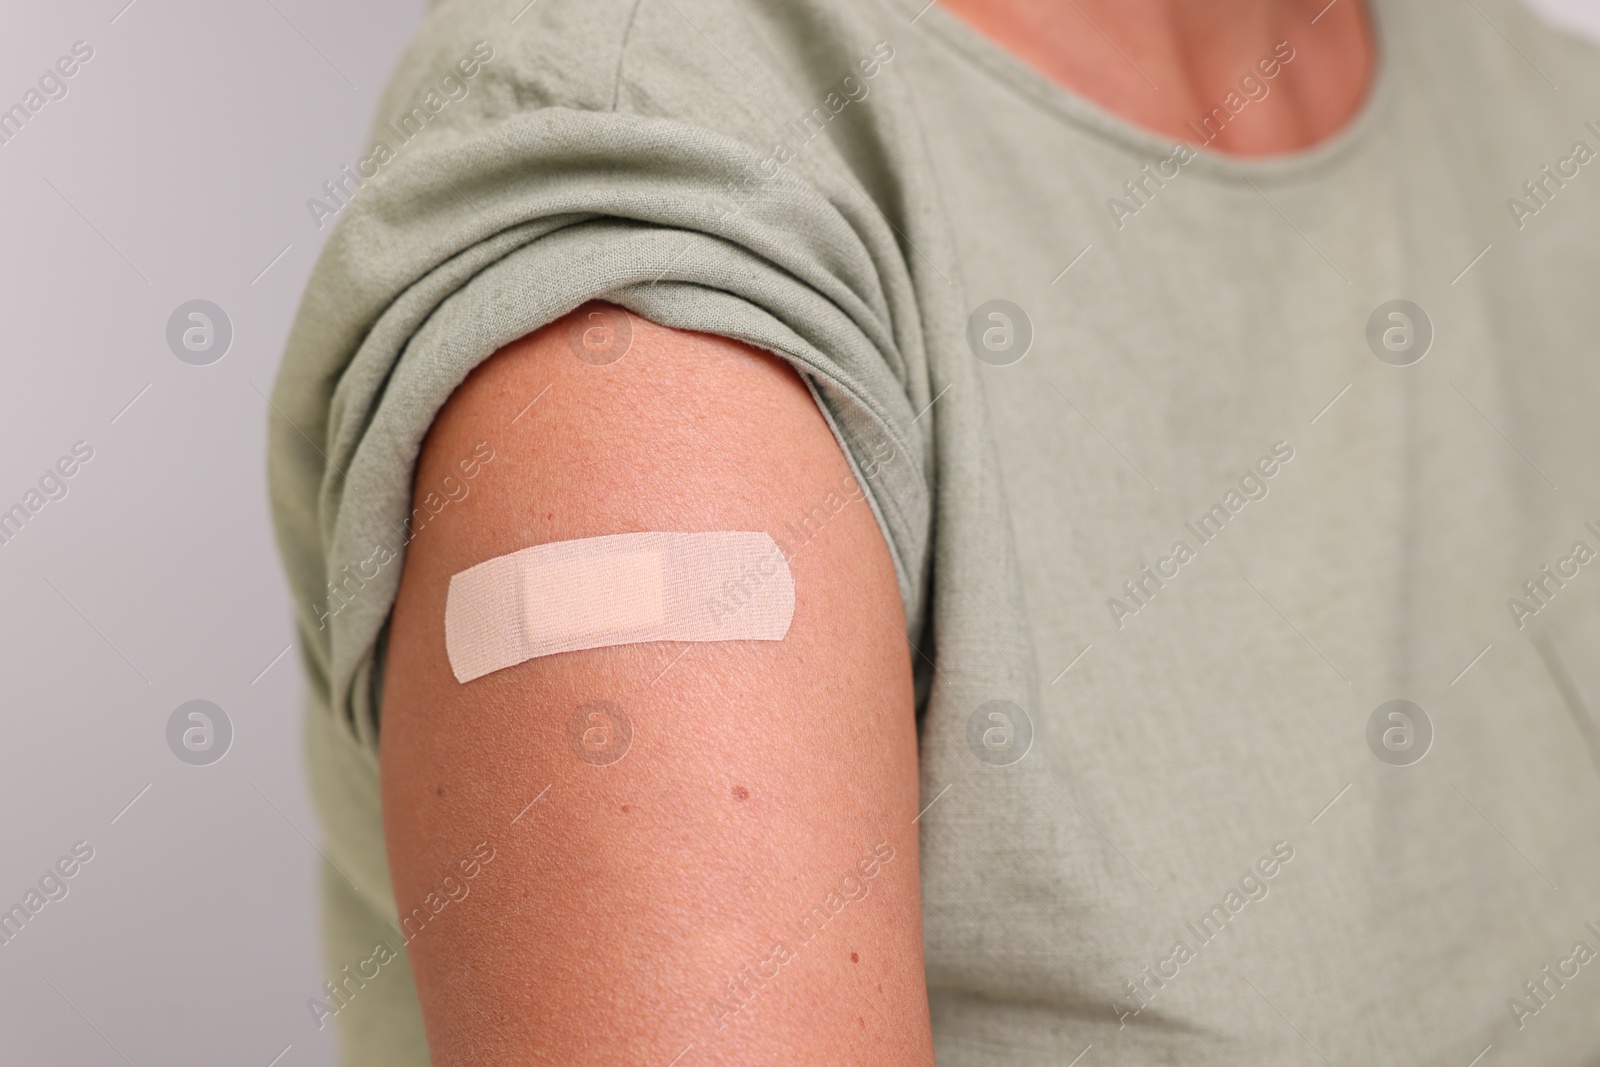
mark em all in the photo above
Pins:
pixel 740 793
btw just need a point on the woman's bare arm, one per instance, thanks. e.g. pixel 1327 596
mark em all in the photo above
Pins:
pixel 631 910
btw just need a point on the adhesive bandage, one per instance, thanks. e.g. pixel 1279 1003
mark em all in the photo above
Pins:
pixel 620 589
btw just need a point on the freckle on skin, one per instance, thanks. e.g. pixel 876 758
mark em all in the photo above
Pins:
pixel 854 958
pixel 624 809
pixel 740 793
pixel 438 791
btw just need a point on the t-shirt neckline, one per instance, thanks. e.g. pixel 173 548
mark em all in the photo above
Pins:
pixel 1078 110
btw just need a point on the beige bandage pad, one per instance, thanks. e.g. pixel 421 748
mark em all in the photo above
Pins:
pixel 620 589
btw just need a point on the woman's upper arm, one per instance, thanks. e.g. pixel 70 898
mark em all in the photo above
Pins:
pixel 742 882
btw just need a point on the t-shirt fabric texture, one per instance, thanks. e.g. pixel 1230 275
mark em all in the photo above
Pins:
pixel 1164 571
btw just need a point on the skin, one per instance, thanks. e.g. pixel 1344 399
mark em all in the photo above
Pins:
pixel 1163 63
pixel 622 899
pixel 619 906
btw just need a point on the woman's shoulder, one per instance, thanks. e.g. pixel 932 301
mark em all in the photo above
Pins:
pixel 730 65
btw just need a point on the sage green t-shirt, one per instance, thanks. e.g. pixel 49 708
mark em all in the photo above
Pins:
pixel 1190 467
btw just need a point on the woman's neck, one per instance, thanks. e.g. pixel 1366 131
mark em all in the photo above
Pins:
pixel 1168 65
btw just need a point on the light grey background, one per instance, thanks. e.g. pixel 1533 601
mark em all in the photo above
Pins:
pixel 176 168
pixel 189 145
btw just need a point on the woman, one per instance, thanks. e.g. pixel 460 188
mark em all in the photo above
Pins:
pixel 1105 433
